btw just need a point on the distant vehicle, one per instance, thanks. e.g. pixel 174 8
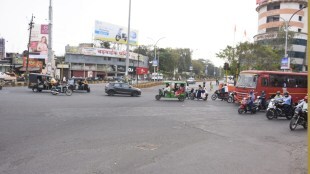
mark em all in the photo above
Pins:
pixel 78 84
pixel 121 88
pixel 40 82
pixel 157 76
pixel 191 80
pixel 271 82
pixel 7 76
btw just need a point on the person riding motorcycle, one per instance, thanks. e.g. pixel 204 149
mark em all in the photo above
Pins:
pixel 263 99
pixel 251 98
pixel 287 101
pixel 278 96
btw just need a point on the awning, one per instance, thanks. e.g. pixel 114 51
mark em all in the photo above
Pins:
pixel 30 69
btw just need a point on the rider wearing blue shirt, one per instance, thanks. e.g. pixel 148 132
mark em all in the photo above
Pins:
pixel 287 100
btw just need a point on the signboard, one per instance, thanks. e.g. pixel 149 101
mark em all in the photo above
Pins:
pixel 38 41
pixel 155 63
pixel 285 63
pixel 141 70
pixel 33 63
pixel 114 33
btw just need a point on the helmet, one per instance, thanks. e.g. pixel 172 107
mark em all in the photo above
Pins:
pixel 263 92
pixel 286 93
pixel 306 98
pixel 278 92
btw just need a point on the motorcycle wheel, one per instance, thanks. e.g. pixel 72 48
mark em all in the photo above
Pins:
pixel 289 117
pixel 157 97
pixel 35 89
pixel 269 115
pixel 192 97
pixel 68 92
pixel 54 93
pixel 214 96
pixel 241 111
pixel 293 124
pixel 230 100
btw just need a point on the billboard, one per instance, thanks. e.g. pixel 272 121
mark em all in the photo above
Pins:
pixel 114 33
pixel 38 41
pixel 285 63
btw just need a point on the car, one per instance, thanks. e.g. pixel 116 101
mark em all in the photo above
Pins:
pixel 121 88
pixel 191 80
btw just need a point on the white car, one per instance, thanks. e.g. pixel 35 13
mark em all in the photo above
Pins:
pixel 7 76
pixel 191 80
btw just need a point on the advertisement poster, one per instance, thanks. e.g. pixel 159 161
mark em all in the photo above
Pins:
pixel 285 63
pixel 32 63
pixel 38 41
pixel 114 33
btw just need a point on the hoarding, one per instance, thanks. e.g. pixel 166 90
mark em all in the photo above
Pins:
pixel 38 41
pixel 114 33
pixel 141 70
pixel 285 63
pixel 32 63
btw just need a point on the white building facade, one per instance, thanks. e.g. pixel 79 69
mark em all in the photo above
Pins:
pixel 274 14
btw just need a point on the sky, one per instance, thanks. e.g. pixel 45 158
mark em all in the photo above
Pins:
pixel 206 27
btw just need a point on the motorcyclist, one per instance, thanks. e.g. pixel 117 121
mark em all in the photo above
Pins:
pixel 287 101
pixel 199 91
pixel 278 96
pixel 251 99
pixel 263 99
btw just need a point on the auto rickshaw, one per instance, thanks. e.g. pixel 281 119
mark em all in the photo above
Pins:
pixel 40 82
pixel 173 89
pixel 78 84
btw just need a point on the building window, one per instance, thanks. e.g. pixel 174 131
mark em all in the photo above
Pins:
pixel 273 18
pixel 299 30
pixel 273 6
pixel 300 18
pixel 273 29
pixel 109 58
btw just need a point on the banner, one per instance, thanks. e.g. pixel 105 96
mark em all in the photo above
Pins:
pixel 141 70
pixel 285 63
pixel 32 63
pixel 38 41
pixel 114 33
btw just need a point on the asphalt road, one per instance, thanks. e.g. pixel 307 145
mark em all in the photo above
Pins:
pixel 92 133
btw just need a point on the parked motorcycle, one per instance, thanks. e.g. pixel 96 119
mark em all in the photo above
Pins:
pixel 61 89
pixel 244 107
pixel 275 109
pixel 199 94
pixel 232 97
pixel 219 95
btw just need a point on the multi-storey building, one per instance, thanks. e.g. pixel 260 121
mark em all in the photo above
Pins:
pixel 274 14
pixel 88 61
pixel 2 48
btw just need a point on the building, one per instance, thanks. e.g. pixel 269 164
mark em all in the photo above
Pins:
pixel 2 48
pixel 274 14
pixel 88 61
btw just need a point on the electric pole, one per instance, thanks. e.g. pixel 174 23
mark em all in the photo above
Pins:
pixel 27 62
pixel 50 50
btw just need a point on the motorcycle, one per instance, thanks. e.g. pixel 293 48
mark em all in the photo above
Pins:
pixel 61 89
pixel 199 94
pixel 299 118
pixel 232 97
pixel 260 105
pixel 244 107
pixel 120 35
pixel 219 95
pixel 275 109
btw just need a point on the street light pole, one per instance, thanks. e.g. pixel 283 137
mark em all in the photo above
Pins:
pixel 157 58
pixel 128 40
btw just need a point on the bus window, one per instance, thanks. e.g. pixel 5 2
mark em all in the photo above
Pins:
pixel 277 80
pixel 264 81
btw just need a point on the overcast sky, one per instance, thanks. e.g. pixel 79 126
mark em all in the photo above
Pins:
pixel 204 26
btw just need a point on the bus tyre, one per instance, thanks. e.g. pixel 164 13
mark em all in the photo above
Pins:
pixel 269 114
pixel 241 110
pixel 157 97
pixel 214 96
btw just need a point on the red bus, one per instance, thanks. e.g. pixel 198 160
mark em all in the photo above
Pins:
pixel 271 82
